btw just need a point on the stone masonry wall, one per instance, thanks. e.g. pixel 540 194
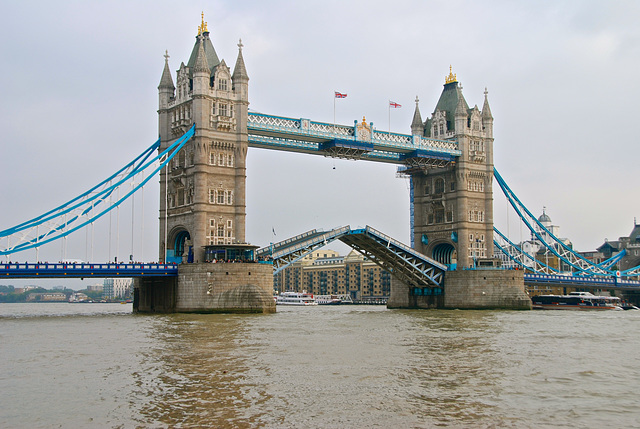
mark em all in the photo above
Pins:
pixel 486 289
pixel 225 287
pixel 468 289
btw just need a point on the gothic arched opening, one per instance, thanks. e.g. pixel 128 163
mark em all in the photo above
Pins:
pixel 179 245
pixel 444 253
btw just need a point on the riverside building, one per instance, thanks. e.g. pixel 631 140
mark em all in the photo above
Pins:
pixel 326 272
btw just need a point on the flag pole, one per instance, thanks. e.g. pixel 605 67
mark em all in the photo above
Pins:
pixel 334 112
pixel 389 107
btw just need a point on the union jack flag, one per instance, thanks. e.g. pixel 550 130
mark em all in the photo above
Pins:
pixel 340 95
pixel 394 105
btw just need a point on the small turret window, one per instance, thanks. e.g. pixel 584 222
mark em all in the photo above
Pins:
pixel 222 84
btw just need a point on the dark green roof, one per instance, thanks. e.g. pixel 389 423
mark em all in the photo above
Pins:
pixel 209 51
pixel 449 100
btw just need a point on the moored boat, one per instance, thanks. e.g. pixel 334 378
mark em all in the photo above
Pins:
pixel 328 300
pixel 576 301
pixel 295 298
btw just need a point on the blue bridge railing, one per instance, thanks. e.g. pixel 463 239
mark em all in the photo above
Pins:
pixel 62 270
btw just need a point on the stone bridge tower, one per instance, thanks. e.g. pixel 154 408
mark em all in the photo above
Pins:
pixel 202 193
pixel 453 205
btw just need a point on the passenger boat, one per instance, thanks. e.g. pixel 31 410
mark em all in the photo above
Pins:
pixel 295 298
pixel 328 300
pixel 576 301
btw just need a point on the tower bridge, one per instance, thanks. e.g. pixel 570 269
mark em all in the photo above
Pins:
pixel 205 130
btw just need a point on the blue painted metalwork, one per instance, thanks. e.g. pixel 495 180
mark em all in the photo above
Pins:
pixel 397 258
pixel 581 281
pixel 293 249
pixel 579 264
pixel 519 256
pixel 552 243
pixel 304 135
pixel 408 265
pixel 109 270
pixel 86 208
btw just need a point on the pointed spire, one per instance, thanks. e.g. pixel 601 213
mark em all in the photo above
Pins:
pixel 417 127
pixel 201 64
pixel 166 81
pixel 240 71
pixel 486 111
pixel 461 107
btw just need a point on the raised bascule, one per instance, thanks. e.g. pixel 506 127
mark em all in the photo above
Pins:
pixel 206 263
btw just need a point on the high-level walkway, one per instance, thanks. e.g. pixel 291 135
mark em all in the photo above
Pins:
pixel 359 141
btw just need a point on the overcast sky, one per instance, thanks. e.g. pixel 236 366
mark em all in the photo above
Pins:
pixel 79 100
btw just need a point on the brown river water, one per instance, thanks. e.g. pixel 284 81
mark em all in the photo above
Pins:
pixel 99 365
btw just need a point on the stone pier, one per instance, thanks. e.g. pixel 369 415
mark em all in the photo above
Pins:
pixel 480 289
pixel 208 288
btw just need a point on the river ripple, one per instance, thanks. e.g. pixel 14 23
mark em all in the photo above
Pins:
pixel 98 365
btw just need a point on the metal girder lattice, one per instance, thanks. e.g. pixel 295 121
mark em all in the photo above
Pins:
pixel 304 135
pixel 577 262
pixel 266 252
pixel 406 264
pixel 519 256
pixel 344 152
pixel 547 239
pixel 415 164
pixel 287 252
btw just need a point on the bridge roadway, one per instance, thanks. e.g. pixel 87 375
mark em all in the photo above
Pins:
pixel 392 255
pixel 587 282
pixel 360 141
pixel 85 270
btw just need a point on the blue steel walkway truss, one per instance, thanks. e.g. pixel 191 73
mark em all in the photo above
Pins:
pixel 359 141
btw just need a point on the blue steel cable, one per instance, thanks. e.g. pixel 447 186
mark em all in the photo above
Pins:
pixel 170 152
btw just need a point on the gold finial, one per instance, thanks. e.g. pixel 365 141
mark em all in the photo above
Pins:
pixel 202 28
pixel 364 121
pixel 451 78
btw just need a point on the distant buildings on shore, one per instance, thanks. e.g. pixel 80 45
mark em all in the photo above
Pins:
pixel 117 288
pixel 326 272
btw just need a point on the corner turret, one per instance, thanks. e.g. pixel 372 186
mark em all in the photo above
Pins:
pixel 462 113
pixel 166 92
pixel 240 86
pixel 487 118
pixel 201 71
pixel 417 127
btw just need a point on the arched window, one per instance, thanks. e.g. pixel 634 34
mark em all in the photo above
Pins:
pixel 439 186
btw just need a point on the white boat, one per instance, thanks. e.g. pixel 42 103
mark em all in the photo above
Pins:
pixel 328 300
pixel 295 298
pixel 576 301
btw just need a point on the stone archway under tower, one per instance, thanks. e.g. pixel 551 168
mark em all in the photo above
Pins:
pixel 445 253
pixel 179 247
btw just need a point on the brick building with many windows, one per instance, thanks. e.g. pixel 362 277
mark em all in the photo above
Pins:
pixel 325 272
